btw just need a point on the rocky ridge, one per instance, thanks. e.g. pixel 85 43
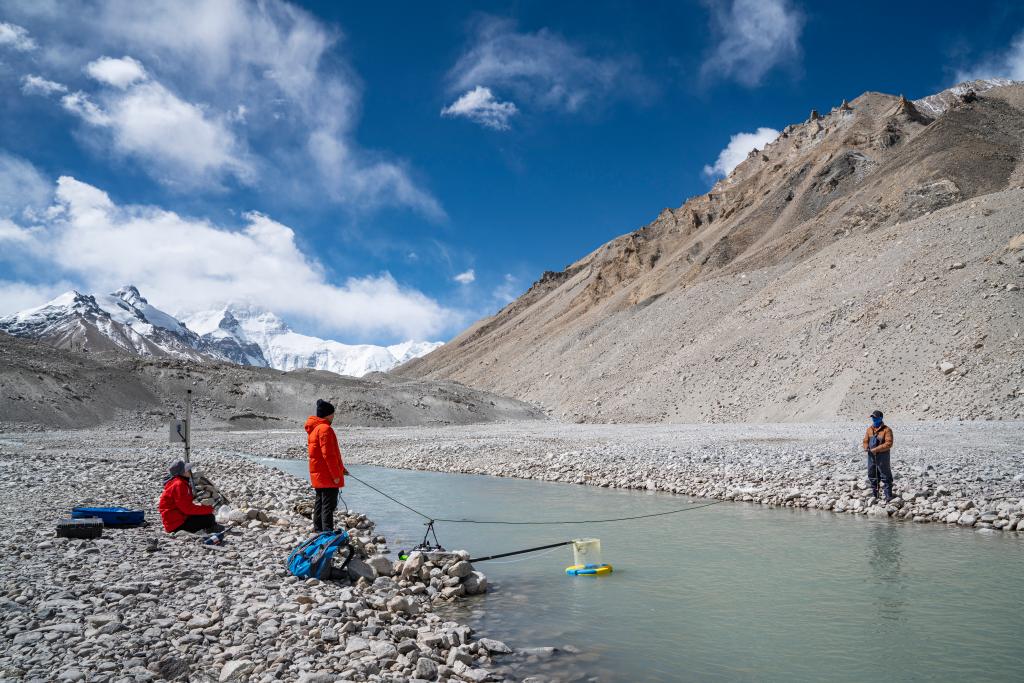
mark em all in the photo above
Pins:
pixel 47 387
pixel 840 269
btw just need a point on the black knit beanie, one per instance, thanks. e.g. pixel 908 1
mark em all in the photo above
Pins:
pixel 323 408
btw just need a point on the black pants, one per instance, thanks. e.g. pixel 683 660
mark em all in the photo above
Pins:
pixel 323 509
pixel 194 523
pixel 878 467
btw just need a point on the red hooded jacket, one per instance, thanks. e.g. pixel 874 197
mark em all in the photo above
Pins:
pixel 176 504
pixel 325 465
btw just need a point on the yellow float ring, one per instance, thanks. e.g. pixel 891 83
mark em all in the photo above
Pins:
pixel 588 569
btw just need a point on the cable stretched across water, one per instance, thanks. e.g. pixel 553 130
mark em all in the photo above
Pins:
pixel 536 523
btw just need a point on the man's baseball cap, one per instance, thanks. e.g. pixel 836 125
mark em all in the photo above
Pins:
pixel 877 413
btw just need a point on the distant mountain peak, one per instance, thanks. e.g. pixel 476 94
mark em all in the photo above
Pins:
pixel 130 294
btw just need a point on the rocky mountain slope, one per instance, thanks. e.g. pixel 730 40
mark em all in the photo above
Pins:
pixel 55 388
pixel 285 349
pixel 125 321
pixel 869 257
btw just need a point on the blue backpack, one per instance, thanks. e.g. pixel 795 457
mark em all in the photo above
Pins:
pixel 312 559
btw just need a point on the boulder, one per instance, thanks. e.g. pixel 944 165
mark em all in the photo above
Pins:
pixel 380 564
pixel 475 583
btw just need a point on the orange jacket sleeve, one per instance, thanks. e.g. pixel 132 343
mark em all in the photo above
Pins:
pixel 886 437
pixel 332 454
pixel 867 439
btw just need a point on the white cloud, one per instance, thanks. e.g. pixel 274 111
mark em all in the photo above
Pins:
pixel 480 105
pixel 466 277
pixel 119 73
pixel 22 187
pixel 508 291
pixel 754 36
pixel 269 73
pixel 17 296
pixel 740 145
pixel 541 68
pixel 188 264
pixel 37 85
pixel 176 140
pixel 1006 64
pixel 12 233
pixel 15 37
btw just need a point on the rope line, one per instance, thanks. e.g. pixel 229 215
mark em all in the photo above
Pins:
pixel 395 500
pixel 582 521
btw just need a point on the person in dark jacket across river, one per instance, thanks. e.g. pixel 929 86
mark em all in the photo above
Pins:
pixel 326 469
pixel 878 443
pixel 178 510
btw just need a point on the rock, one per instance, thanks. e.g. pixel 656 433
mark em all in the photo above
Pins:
pixel 403 604
pixel 172 668
pixel 475 583
pixel 382 649
pixel 946 367
pixel 426 669
pixel 412 566
pixel 236 670
pixel 356 644
pixel 317 677
pixel 477 675
pixel 967 519
pixel 495 646
pixel 460 569
pixel 958 265
pixel 380 564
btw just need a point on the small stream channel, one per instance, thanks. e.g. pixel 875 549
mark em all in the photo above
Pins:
pixel 733 592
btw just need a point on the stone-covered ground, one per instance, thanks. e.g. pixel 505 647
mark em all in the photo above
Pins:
pixel 139 604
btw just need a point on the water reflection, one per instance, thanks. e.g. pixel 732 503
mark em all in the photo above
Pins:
pixel 887 579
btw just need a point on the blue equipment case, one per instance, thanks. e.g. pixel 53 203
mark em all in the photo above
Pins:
pixel 111 516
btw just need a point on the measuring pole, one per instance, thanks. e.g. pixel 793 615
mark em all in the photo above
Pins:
pixel 188 425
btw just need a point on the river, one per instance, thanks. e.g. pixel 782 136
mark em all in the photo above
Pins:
pixel 733 592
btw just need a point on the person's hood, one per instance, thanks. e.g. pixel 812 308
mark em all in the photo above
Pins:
pixel 312 422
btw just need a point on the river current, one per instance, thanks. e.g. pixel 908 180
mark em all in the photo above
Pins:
pixel 732 592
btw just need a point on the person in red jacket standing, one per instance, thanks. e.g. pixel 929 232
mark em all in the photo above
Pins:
pixel 178 512
pixel 326 469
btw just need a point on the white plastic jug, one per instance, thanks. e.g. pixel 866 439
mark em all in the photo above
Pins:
pixel 586 551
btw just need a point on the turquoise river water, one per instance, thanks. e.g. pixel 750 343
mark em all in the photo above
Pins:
pixel 733 592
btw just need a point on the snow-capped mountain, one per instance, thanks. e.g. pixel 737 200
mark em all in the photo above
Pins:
pixel 122 320
pixel 285 349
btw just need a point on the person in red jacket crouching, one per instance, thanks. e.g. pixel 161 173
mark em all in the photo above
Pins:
pixel 326 470
pixel 177 509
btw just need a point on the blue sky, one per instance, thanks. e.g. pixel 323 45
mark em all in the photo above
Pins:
pixel 374 172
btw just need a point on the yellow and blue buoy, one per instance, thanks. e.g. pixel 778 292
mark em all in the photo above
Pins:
pixel 588 569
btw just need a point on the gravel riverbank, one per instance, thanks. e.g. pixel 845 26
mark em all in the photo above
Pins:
pixel 969 474
pixel 139 604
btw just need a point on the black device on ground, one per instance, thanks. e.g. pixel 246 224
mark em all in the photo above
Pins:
pixel 86 527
